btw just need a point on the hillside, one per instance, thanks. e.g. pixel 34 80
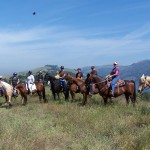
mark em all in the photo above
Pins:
pixel 131 72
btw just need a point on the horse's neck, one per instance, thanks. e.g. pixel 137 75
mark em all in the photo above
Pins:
pixel 52 78
pixel 147 80
pixel 6 85
pixel 99 81
pixel 78 81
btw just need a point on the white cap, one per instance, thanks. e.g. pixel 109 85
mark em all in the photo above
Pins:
pixel 115 63
pixel 1 77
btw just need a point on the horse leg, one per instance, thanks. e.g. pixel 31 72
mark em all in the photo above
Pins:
pixel 66 95
pixel 72 96
pixel 105 100
pixel 40 96
pixel 84 99
pixel 43 95
pixel 127 98
pixel 58 96
pixel 133 100
pixel 9 101
pixel 24 99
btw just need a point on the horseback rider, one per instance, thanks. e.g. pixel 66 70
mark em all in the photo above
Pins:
pixel 79 74
pixel 93 72
pixel 62 74
pixel 115 75
pixel 40 77
pixel 2 92
pixel 14 80
pixel 30 81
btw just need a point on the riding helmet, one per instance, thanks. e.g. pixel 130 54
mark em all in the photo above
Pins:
pixel 30 72
pixel 92 67
pixel 14 73
pixel 62 67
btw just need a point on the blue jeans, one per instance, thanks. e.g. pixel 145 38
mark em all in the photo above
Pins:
pixel 63 83
pixel 91 88
pixel 113 82
pixel 2 91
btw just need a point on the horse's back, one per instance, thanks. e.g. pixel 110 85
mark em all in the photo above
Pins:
pixel 39 85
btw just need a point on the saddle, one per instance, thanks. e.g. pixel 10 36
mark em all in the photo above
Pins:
pixel 120 83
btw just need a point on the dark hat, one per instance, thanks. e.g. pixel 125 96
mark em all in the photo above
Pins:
pixel 92 67
pixel 79 69
pixel 62 67
pixel 14 73
pixel 30 72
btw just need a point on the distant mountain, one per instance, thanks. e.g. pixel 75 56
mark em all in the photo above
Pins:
pixel 131 72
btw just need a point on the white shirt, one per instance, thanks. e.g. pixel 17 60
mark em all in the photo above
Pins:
pixel 30 79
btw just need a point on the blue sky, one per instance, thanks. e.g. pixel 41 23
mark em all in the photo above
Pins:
pixel 73 33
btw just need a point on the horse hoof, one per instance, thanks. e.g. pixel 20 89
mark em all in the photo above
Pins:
pixel 6 105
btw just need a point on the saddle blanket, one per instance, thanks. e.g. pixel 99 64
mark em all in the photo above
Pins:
pixel 31 86
pixel 120 83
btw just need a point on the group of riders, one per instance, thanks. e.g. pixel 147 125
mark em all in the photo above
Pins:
pixel 30 80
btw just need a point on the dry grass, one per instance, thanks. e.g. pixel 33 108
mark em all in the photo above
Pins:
pixel 60 125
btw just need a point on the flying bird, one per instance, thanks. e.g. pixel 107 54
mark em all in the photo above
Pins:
pixel 34 13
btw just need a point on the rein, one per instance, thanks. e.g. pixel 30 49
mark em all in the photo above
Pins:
pixel 100 82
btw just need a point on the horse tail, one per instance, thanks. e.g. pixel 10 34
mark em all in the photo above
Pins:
pixel 43 92
pixel 134 94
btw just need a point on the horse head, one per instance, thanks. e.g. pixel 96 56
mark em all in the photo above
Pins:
pixel 142 83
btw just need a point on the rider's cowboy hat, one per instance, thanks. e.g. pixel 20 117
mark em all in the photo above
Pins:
pixel 115 63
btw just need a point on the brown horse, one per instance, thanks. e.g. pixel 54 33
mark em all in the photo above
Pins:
pixel 40 90
pixel 76 85
pixel 128 89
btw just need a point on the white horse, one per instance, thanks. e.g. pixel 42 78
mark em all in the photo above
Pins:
pixel 8 93
pixel 144 82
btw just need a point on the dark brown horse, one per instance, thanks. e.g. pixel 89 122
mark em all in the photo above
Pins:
pixel 76 85
pixel 56 87
pixel 40 90
pixel 128 89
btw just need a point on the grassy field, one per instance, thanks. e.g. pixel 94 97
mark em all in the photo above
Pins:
pixel 61 125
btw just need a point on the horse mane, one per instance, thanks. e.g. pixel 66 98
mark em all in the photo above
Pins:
pixel 51 77
pixel 98 77
pixel 75 80
pixel 20 85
